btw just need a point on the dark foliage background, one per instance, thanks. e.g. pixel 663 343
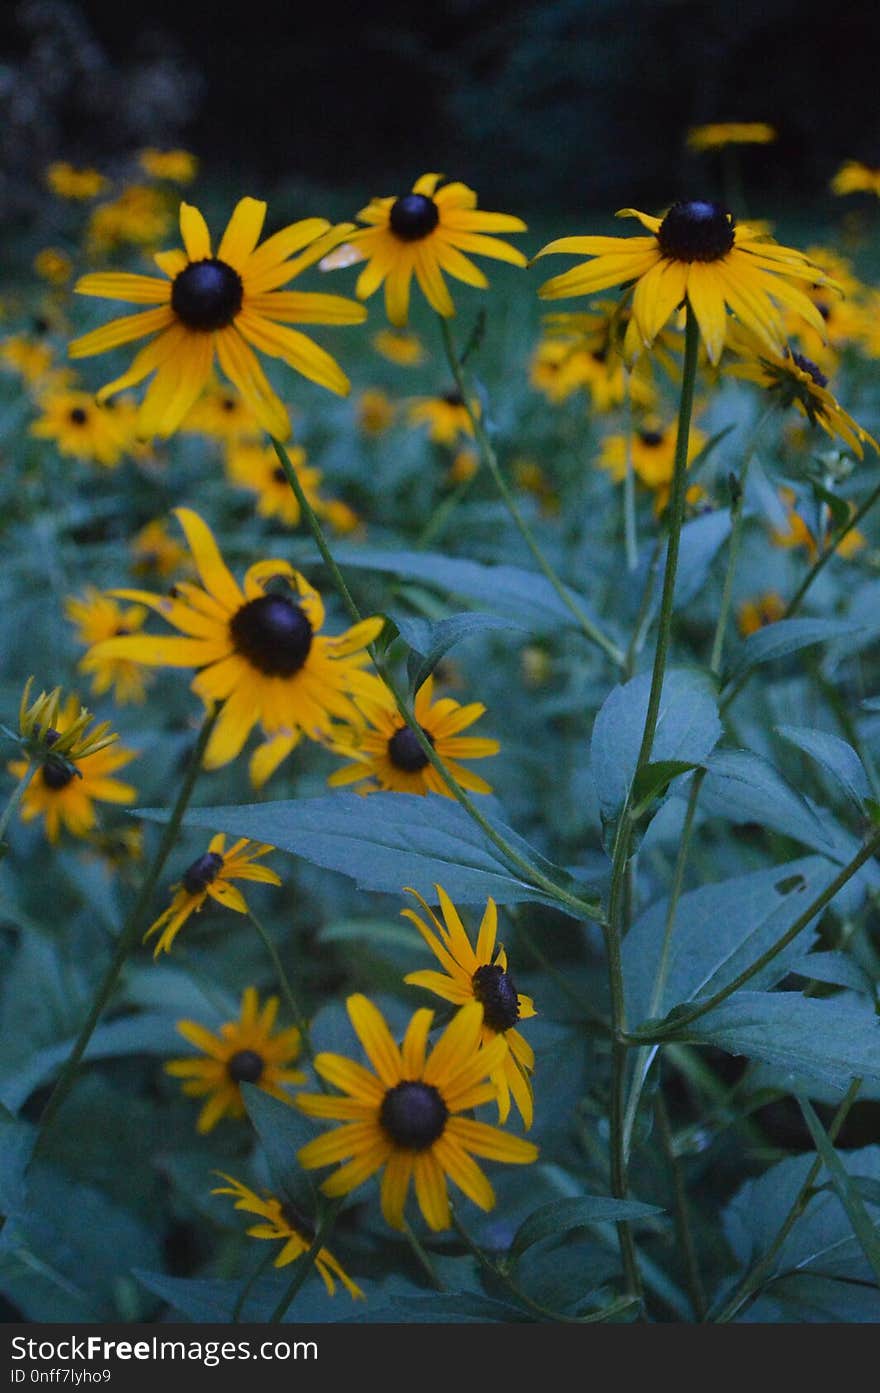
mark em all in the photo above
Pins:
pixel 578 103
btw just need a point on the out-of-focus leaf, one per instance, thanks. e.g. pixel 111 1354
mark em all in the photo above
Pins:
pixel 431 640
pixel 836 756
pixel 562 1216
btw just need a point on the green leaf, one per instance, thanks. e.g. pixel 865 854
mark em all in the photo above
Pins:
pixel 561 1216
pixel 864 1228
pixel 653 780
pixel 701 540
pixel 836 756
pixel 386 841
pixel 16 1145
pixel 785 637
pixel 744 787
pixel 838 968
pixel 431 640
pixel 212 1301
pixel 838 507
pixel 282 1130
pixel 804 1299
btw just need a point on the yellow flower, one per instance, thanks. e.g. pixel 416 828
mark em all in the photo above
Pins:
pixel 425 233
pixel 464 466
pixel 399 346
pixel 139 216
pixel 406 1117
pixel 652 451
pixel 530 477
pixel 177 166
pixel 30 357
pixel 153 549
pixel 756 614
pixel 387 754
pixel 375 411
pixel 222 413
pixel 82 428
pixel 470 974
pixel 284 1221
pixel 245 1051
pixel 698 253
pixel 855 177
pixel 50 728
pixel 97 617
pixel 66 787
pixel 446 417
pixel 53 265
pixel 255 467
pixel 720 133
pixel 226 305
pixel 78 184
pixel 210 877
pixel 259 651
pixel 796 533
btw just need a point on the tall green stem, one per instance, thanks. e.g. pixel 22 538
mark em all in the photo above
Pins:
pixel 631 541
pixel 130 934
pixel 284 983
pixel 14 799
pixel 304 1264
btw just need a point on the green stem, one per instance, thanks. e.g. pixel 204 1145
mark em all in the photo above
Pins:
pixel 422 1257
pixel 130 934
pixel 284 983
pixel 248 1285
pixel 700 1008
pixel 304 1264
pixel 487 454
pixel 643 618
pixel 825 556
pixel 682 1214
pixel 629 485
pixel 14 799
pixel 588 909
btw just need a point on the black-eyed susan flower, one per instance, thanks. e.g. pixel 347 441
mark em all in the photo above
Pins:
pixel 464 466
pixel 53 265
pixel 259 650
pixel 79 185
pixel 244 1051
pixel 406 1117
pixel 139 217
pixel 47 729
pixel 75 771
pixel 699 253
pixel 480 974
pixel 400 346
pixel 222 305
pixel 254 466
pixel 796 533
pixel 82 428
pixel 445 415
pixel 385 753
pixel 282 1220
pixel 531 478
pixel 223 414
pixel 210 877
pixel 855 177
pixel 375 411
pixel 718 134
pixel 652 452
pixel 425 234
pixel 175 166
pixel 756 614
pixel 96 617
pixel 29 356
pixel 154 549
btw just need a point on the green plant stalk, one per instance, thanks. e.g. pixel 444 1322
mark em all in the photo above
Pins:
pixel 304 1264
pixel 488 456
pixel 581 908
pixel 14 799
pixel 685 1018
pixel 643 618
pixel 682 1214
pixel 248 1285
pixel 130 933
pixel 422 1257
pixel 631 541
pixel 284 983
pixel 847 1193
pixel 754 1280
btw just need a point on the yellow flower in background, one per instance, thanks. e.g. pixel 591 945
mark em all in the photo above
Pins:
pixel 464 466
pixel 67 181
pixel 479 973
pixel 855 177
pixel 756 614
pixel 138 217
pixel 154 549
pixel 282 1220
pixel 652 449
pixel 400 346
pixel 245 1051
pixel 224 306
pixel 406 1117
pixel 222 413
pixel 796 533
pixel 210 877
pixel 260 651
pixel 386 754
pixel 66 787
pixel 50 727
pixel 177 166
pixel 375 411
pixel 53 265
pixel 446 417
pixel 531 478
pixel 98 616
pixel 716 135
pixel 30 357
pixel 425 234
pixel 256 468
pixel 699 253
pixel 82 428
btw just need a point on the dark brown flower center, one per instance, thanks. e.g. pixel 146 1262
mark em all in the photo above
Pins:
pixel 453 398
pixel 57 774
pixel 651 438
pixel 207 295
pixel 494 988
pixel 202 873
pixel 279 475
pixel 245 1066
pixel 413 1115
pixel 78 416
pixel 298 1221
pixel 405 752
pixel 273 633
pixel 809 367
pixel 413 217
pixel 696 231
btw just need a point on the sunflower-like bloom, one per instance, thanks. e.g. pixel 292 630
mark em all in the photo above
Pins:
pixel 387 755
pixel 225 305
pixel 652 449
pixel 53 265
pixel 406 1116
pixel 426 233
pixel 260 651
pixel 223 414
pixel 699 253
pixel 400 347
pixel 283 1220
pixel 177 166
pixel 82 428
pixel 30 357
pixel 718 134
pixel 855 177
pixel 445 415
pixel 154 549
pixel 254 466
pixel 210 877
pixel 75 766
pixel 756 614
pixel 98 616
pixel 245 1051
pixel 79 185
pixel 140 217
pixel 470 974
